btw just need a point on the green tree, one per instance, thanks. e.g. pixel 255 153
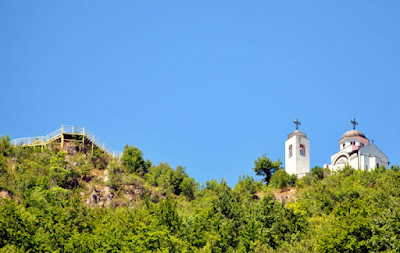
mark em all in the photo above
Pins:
pixel 5 145
pixel 133 161
pixel 176 179
pixel 265 167
pixel 162 176
pixel 188 187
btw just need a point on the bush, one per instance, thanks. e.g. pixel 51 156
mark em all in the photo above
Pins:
pixel 59 175
pixel 247 185
pixel 99 159
pixel 170 180
pixel 347 170
pixel 280 179
pixel 293 180
pixel 319 173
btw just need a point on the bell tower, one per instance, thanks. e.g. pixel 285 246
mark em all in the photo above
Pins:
pixel 297 152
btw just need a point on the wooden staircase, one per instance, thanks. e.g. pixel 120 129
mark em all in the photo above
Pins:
pixel 67 134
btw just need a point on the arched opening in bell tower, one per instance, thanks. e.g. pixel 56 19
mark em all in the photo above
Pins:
pixel 302 150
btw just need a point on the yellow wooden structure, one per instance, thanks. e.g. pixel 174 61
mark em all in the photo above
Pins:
pixel 65 135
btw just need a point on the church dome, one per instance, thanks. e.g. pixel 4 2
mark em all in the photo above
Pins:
pixel 297 132
pixel 353 133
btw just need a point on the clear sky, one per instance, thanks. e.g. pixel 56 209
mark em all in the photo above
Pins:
pixel 209 85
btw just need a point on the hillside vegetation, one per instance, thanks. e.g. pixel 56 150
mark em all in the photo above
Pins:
pixel 67 201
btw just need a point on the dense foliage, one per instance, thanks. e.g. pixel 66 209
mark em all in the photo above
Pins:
pixel 47 205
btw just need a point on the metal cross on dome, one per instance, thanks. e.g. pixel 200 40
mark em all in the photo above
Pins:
pixel 354 122
pixel 297 123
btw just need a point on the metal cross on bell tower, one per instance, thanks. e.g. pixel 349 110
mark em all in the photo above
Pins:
pixel 297 123
pixel 354 122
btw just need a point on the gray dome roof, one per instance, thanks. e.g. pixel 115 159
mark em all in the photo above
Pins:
pixel 297 132
pixel 353 133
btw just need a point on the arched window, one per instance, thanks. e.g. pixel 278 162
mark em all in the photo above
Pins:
pixel 302 150
pixel 290 150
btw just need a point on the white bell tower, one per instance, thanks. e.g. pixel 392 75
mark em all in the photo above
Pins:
pixel 297 152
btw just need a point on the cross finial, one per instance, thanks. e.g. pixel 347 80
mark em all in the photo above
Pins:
pixel 297 123
pixel 372 141
pixel 354 122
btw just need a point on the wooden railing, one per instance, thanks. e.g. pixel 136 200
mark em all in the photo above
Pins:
pixel 43 140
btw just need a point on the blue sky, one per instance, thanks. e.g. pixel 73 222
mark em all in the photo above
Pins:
pixel 210 85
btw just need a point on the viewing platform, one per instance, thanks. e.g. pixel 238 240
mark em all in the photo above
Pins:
pixel 65 135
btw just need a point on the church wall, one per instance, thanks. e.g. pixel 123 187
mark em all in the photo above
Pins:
pixel 354 162
pixel 372 162
pixel 290 162
pixel 364 163
pixel 369 162
pixel 385 164
pixel 379 162
pixel 375 156
pixel 303 161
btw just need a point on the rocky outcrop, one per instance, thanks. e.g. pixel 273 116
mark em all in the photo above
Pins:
pixel 286 195
pixel 5 195
pixel 108 196
pixel 95 197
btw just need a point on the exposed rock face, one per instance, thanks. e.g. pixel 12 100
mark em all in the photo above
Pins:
pixel 96 196
pixel 99 199
pixel 138 190
pixel 103 196
pixel 108 196
pixel 286 195
pixel 5 195
pixel 71 148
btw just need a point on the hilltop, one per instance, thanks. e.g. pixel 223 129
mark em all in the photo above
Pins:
pixel 76 201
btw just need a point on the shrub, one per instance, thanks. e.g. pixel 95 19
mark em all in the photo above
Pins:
pixel 5 145
pixel 133 161
pixel 280 179
pixel 247 185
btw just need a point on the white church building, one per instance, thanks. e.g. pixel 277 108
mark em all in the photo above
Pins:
pixel 355 150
